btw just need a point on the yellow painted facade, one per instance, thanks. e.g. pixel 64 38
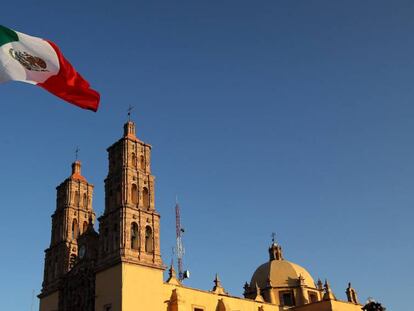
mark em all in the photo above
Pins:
pixel 144 289
pixel 120 268
pixel 109 291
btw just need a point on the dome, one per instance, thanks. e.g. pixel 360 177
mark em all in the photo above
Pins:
pixel 281 273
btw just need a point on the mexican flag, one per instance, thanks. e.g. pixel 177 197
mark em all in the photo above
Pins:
pixel 38 61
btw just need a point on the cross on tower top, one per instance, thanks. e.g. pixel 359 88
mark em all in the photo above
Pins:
pixel 129 112
pixel 273 237
pixel 77 153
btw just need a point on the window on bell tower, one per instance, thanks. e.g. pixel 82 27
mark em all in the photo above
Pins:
pixel 85 227
pixel 145 197
pixel 85 201
pixel 75 229
pixel 148 239
pixel 142 163
pixel 133 160
pixel 134 236
pixel 134 194
pixel 76 199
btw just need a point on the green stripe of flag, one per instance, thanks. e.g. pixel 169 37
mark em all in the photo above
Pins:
pixel 7 35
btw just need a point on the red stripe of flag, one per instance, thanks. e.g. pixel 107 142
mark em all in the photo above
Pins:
pixel 70 86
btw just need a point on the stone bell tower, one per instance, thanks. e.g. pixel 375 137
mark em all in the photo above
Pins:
pixel 129 227
pixel 71 218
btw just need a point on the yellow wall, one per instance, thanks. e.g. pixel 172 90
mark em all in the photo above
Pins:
pixel 131 287
pixel 188 298
pixel 108 288
pixel 142 288
pixel 49 302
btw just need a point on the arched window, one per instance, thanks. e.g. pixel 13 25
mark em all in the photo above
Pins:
pixel 313 297
pixel 145 198
pixel 76 198
pixel 134 236
pixel 133 160
pixel 85 200
pixel 148 239
pixel 134 194
pixel 287 298
pixel 142 162
pixel 85 227
pixel 75 229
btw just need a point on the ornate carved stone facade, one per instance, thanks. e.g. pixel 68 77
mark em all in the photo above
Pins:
pixel 129 227
pixel 130 224
pixel 71 218
pixel 77 290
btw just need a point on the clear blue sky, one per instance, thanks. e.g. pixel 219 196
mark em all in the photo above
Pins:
pixel 287 116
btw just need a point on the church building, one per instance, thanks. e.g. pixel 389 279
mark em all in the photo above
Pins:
pixel 120 268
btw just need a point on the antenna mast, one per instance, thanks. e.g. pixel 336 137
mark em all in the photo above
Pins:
pixel 180 249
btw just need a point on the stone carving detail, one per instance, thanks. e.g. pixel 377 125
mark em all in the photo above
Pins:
pixel 78 288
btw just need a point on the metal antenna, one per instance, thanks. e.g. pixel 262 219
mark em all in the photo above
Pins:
pixel 179 248
pixel 77 153
pixel 129 112
pixel 273 237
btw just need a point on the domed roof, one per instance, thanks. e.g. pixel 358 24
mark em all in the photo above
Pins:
pixel 280 272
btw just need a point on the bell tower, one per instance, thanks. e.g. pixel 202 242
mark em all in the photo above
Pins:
pixel 129 227
pixel 73 215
